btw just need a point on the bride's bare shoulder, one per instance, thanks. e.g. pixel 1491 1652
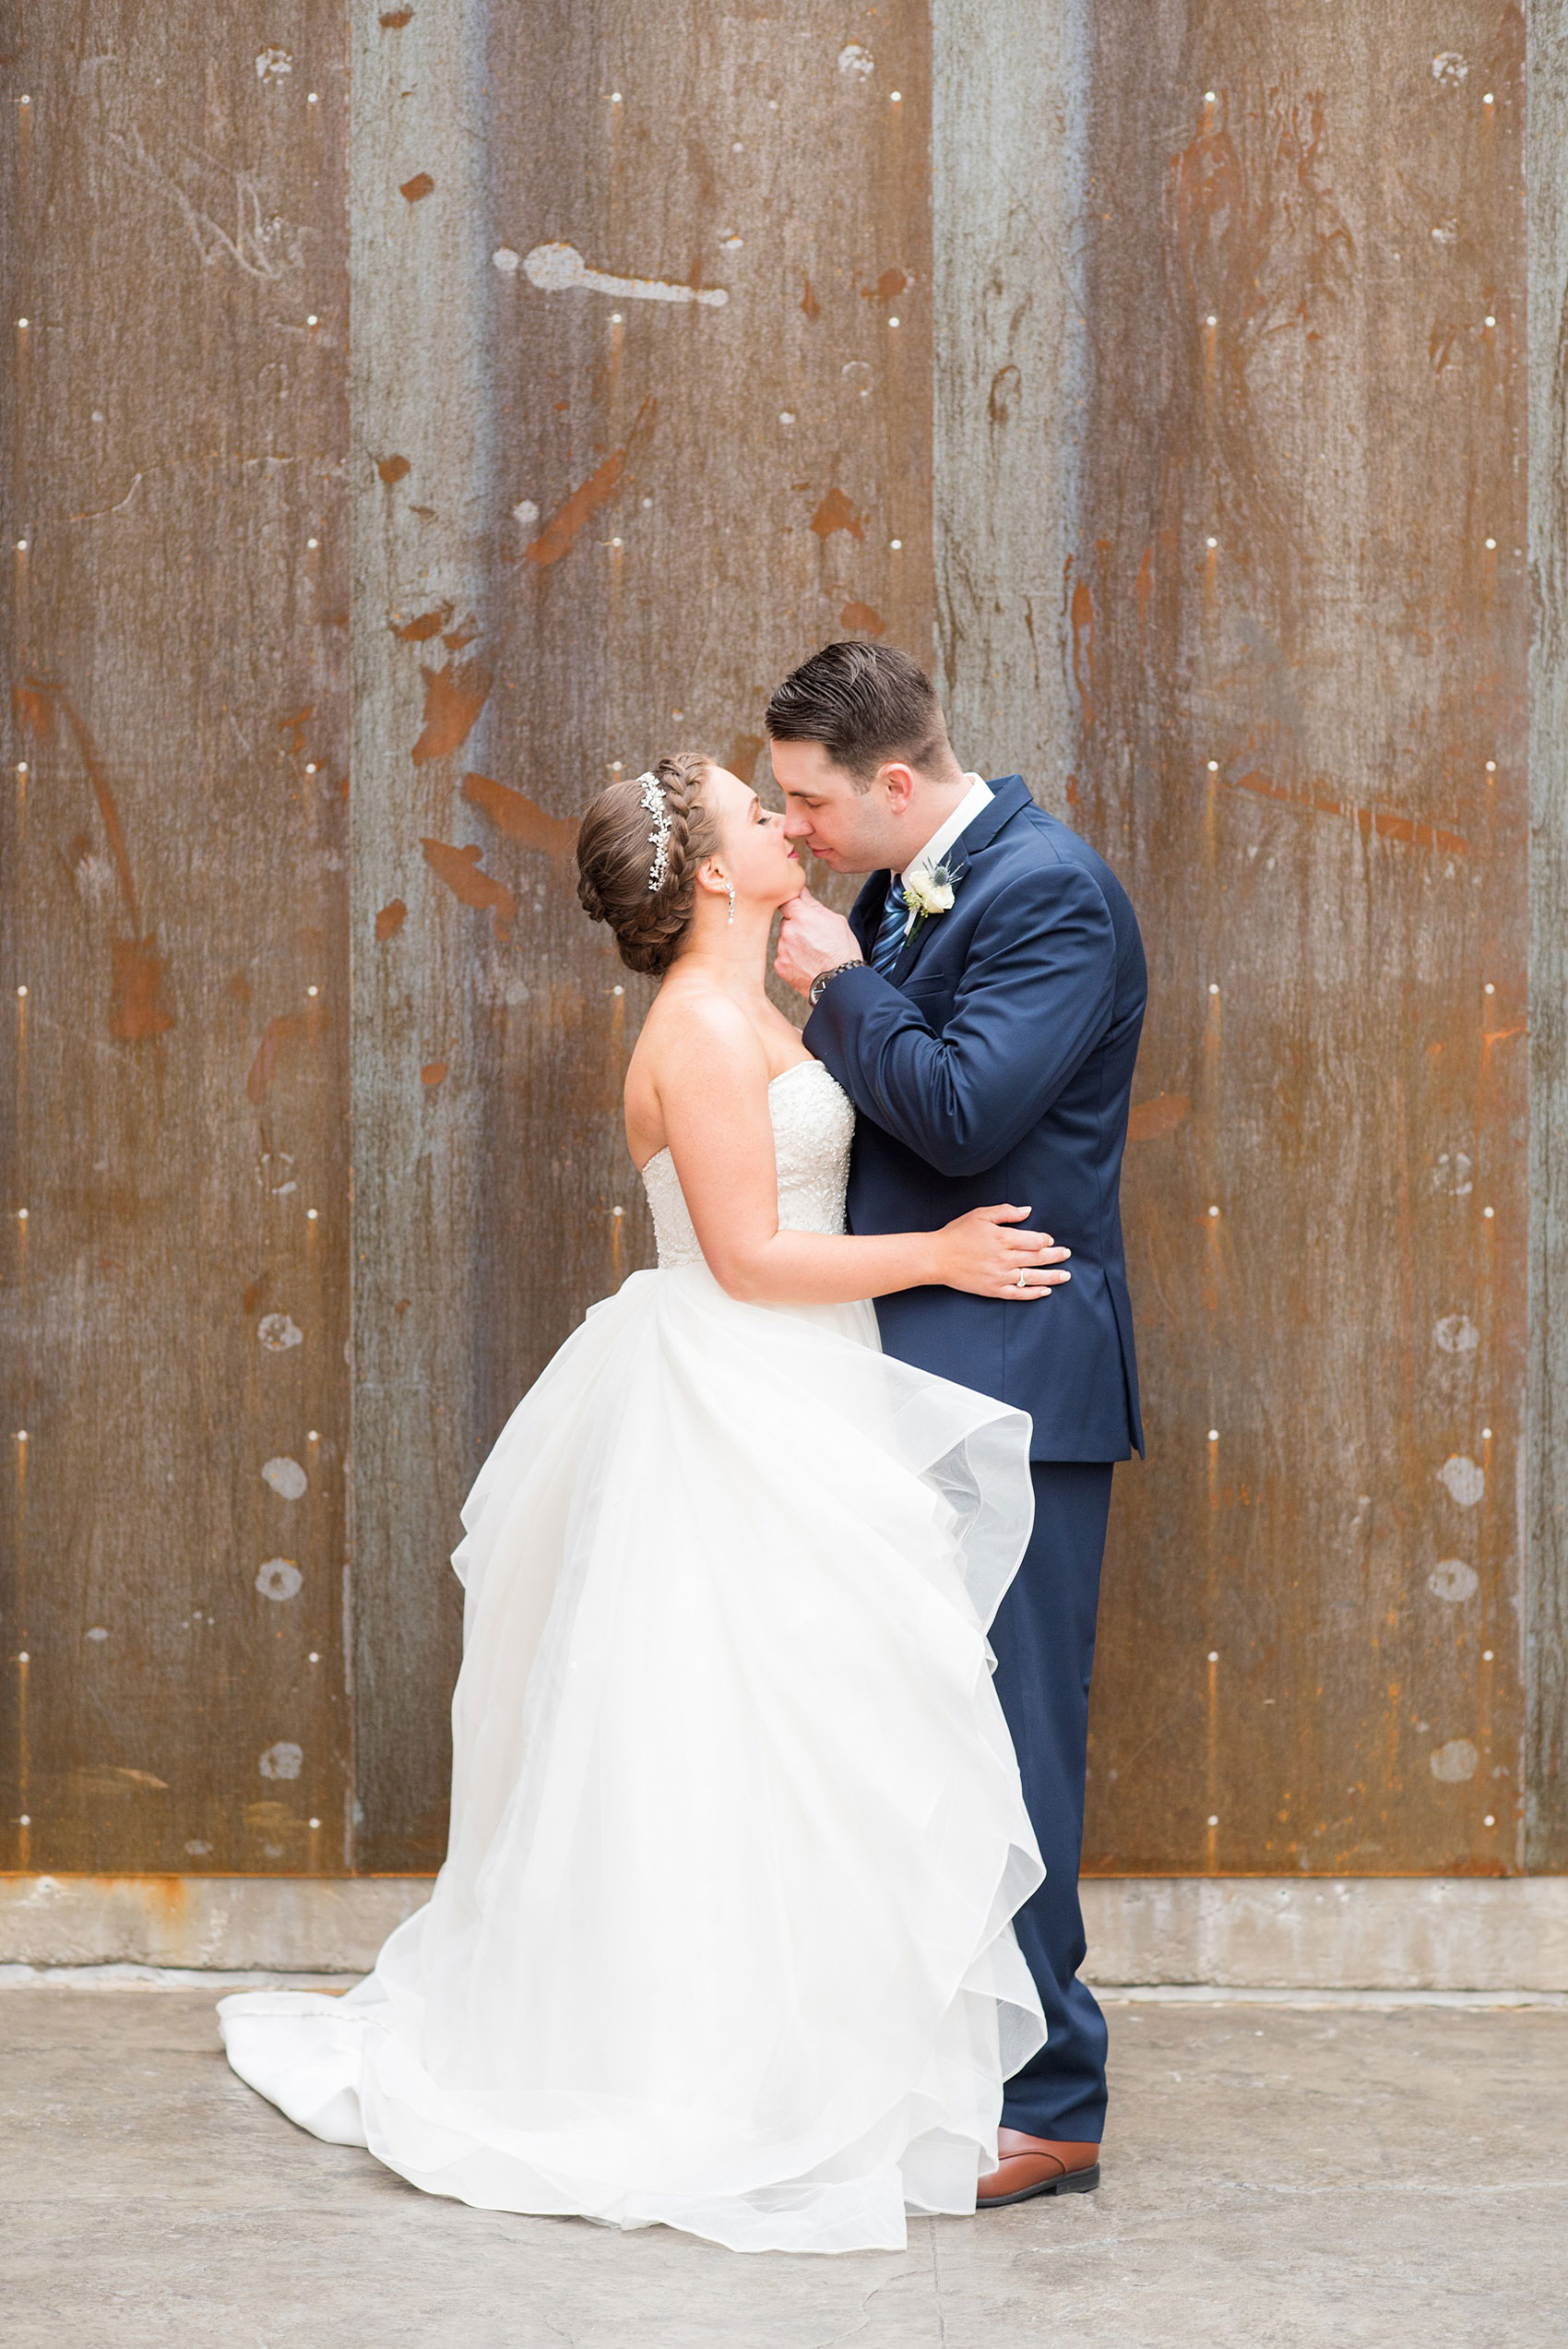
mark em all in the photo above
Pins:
pixel 692 1038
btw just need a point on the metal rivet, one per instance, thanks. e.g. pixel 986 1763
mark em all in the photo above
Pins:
pixel 892 322
pixel 21 990
pixel 895 97
pixel 313 991
pixel 1491 542
pixel 1211 542
pixel 1490 320
pixel 21 546
pixel 312 541
pixel 311 1214
pixel 312 99
pixel 1208 97
pixel 1214 765
pixel 614 98
pixel 1486 1655
pixel 25 1820
pixel 310 766
pixel 24 1657
pixel 1486 1434
pixel 312 1437
pixel 310 320
pixel 737 147
pixel 1214 1434
pixel 1214 986
pixel 1490 988
pixel 1492 766
pixel 1211 320
pixel 313 1657
pixel 617 541
pixel 616 318
pixel 1213 1818
pixel 22 322
pixel 22 1215
pixel 316 1822
pixel 1213 1655
pixel 21 1434
pixel 617 991
pixel 1486 99
pixel 1487 1213
pixel 615 763
pixel 21 766
pixel 897 544
pixel 617 1210
pixel 786 415
pixel 1214 1210
pixel 1489 1820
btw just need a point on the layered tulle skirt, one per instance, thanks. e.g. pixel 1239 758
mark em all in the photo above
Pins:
pixel 723 1935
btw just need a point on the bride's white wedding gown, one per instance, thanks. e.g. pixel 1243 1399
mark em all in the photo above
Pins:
pixel 723 1935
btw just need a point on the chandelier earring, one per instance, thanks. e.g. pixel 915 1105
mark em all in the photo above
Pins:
pixel 731 886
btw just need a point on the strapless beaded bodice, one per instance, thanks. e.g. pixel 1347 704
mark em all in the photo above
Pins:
pixel 814 1124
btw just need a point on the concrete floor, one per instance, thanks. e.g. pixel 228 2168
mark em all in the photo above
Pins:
pixel 1273 2175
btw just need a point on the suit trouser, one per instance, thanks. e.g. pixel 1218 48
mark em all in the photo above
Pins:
pixel 1043 1637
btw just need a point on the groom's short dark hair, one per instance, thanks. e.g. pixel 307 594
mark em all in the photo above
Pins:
pixel 863 703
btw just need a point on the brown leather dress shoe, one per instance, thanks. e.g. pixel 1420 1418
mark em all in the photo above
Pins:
pixel 1030 2166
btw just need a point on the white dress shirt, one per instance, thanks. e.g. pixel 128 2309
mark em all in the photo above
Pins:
pixel 980 794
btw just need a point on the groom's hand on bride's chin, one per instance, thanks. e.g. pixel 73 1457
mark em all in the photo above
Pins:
pixel 812 938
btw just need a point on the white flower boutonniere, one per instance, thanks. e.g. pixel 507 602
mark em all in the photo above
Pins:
pixel 927 894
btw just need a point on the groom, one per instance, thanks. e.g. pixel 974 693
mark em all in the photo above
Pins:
pixel 981 1006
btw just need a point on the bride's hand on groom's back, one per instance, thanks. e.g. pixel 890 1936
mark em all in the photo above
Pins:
pixel 984 1254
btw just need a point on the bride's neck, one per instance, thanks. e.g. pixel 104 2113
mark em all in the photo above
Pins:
pixel 731 954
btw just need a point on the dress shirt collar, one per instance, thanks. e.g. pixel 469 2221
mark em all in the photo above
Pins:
pixel 980 794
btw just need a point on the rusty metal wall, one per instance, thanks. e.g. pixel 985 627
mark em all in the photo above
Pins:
pixel 175 1191
pixel 1298 626
pixel 660 328
pixel 642 415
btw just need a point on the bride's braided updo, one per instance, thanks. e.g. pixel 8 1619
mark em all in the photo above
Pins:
pixel 616 861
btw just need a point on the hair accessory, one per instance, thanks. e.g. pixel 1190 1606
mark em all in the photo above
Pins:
pixel 653 800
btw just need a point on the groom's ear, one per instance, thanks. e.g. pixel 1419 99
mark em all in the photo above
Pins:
pixel 898 782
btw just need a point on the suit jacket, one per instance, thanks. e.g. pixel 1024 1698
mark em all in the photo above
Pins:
pixel 996 1065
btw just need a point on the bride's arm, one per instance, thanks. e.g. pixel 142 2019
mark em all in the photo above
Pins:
pixel 712 1079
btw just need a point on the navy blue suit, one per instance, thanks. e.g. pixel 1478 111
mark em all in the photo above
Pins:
pixel 995 1064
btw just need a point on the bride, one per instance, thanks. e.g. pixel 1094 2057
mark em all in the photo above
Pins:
pixel 723 1937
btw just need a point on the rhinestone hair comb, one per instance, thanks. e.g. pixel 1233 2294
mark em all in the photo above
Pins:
pixel 653 800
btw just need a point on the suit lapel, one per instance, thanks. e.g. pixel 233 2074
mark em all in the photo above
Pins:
pixel 865 915
pixel 1007 796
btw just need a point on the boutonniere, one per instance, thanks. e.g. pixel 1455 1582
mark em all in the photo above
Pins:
pixel 929 894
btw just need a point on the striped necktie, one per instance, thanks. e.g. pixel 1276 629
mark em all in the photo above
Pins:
pixel 890 937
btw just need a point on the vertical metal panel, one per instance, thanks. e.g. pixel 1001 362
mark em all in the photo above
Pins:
pixel 1298 616
pixel 672 306
pixel 1007 136
pixel 172 901
pixel 429 955
pixel 1546 1505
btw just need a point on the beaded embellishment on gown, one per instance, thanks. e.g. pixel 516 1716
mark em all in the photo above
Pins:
pixel 723 1937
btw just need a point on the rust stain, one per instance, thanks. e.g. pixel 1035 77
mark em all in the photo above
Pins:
pixel 1082 621
pixel 453 699
pixel 456 639
pixel 252 1292
pixel 239 987
pixel 889 286
pixel 432 1072
pixel 809 301
pixel 1160 1115
pixel 296 726
pixel 391 468
pixel 835 513
pixel 137 1009
pixel 34 707
pixel 390 919
pixel 860 619
pixel 744 752
pixel 417 189
pixel 585 501
pixel 459 868
pixel 423 626
pixel 397 18
pixel 515 814
pixel 281 1039
pixel 1380 821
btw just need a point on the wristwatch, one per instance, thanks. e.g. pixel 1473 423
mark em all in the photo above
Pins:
pixel 822 977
